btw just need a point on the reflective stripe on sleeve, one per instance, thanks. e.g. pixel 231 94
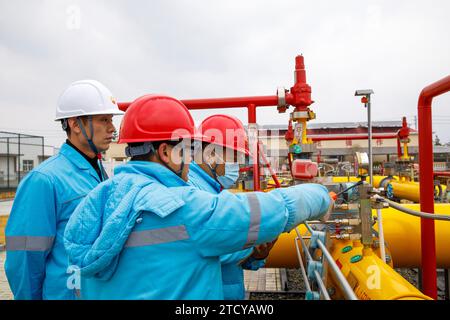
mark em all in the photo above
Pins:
pixel 156 236
pixel 29 243
pixel 255 220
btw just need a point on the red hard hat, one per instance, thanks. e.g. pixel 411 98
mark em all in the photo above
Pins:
pixel 157 118
pixel 226 131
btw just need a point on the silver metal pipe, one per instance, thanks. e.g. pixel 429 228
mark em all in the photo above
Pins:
pixel 381 235
pixel 308 227
pixel 420 214
pixel 302 267
pixel 369 129
pixel 322 287
pixel 305 248
pixel 348 291
pixel 322 222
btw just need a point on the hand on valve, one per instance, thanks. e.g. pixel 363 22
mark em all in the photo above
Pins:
pixel 261 251
pixel 333 198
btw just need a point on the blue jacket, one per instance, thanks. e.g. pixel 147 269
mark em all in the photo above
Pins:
pixel 232 270
pixel 36 262
pixel 147 234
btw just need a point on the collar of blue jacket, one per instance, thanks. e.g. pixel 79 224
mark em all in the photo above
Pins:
pixel 152 169
pixel 78 160
pixel 198 177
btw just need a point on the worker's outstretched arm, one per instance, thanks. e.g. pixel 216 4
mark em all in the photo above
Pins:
pixel 305 202
pixel 236 257
pixel 30 233
pixel 229 222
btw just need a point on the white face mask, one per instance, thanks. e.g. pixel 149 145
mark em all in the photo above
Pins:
pixel 231 175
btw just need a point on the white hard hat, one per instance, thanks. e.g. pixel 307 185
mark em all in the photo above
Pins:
pixel 84 98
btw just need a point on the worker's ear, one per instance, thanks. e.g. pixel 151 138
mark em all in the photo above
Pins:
pixel 73 125
pixel 164 152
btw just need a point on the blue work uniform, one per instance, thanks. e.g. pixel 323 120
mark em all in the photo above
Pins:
pixel 36 262
pixel 147 234
pixel 232 269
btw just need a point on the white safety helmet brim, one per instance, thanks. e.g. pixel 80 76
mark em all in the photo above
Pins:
pixel 86 98
pixel 81 113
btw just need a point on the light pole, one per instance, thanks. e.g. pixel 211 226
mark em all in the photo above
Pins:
pixel 366 100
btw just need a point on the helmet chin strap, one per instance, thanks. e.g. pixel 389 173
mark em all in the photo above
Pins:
pixel 104 176
pixel 179 172
pixel 213 170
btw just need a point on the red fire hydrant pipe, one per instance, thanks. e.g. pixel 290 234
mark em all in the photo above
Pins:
pixel 428 242
pixel 299 96
pixel 225 103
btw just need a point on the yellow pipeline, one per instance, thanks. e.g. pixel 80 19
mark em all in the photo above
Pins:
pixel 408 190
pixel 404 189
pixel 376 179
pixel 367 274
pixel 369 277
pixel 401 233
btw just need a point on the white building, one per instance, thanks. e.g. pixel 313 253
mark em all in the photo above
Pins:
pixel 19 154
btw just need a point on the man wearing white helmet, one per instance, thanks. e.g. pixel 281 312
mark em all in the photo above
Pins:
pixel 36 261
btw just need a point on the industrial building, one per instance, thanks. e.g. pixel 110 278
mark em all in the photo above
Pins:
pixel 19 154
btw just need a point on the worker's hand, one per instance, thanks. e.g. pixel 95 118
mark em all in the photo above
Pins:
pixel 327 216
pixel 261 251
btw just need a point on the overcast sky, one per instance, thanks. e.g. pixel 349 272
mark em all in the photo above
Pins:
pixel 201 49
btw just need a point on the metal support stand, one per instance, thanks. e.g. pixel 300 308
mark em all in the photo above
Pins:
pixel 366 100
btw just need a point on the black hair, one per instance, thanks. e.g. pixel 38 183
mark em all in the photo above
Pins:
pixel 147 156
pixel 65 124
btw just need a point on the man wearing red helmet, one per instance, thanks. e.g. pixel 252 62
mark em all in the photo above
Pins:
pixel 216 167
pixel 147 234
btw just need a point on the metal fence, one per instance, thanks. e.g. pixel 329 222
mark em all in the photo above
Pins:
pixel 19 154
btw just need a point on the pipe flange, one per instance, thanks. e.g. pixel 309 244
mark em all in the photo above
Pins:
pixel 314 266
pixel 281 94
pixel 316 235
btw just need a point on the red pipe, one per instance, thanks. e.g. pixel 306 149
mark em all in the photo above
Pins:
pixel 351 137
pixel 442 174
pixel 299 97
pixel 225 103
pixel 428 241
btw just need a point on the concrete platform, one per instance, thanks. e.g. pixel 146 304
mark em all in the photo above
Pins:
pixel 263 280
pixel 5 207
pixel 5 292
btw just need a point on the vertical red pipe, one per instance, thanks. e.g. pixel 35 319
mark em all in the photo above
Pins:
pixel 252 121
pixel 428 240
pixel 300 72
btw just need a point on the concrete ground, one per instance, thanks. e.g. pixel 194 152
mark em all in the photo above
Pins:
pixel 5 292
pixel 5 206
pixel 266 279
